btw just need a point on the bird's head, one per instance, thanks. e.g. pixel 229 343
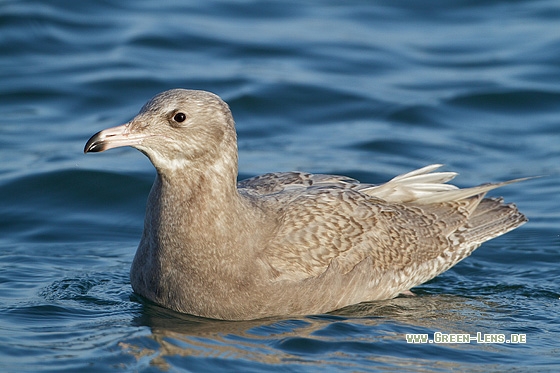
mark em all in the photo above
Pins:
pixel 176 129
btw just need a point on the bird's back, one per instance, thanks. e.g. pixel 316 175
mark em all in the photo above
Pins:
pixel 362 242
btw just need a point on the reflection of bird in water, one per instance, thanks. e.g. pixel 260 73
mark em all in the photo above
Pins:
pixel 285 243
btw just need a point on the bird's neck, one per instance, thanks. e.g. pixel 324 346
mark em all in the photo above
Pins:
pixel 198 211
pixel 198 198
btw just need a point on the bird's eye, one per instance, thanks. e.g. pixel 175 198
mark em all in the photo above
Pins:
pixel 179 117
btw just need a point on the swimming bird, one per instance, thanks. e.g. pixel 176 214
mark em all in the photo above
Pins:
pixel 288 243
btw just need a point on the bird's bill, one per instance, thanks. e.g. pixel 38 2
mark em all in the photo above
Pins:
pixel 114 137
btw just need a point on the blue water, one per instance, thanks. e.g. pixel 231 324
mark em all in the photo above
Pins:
pixel 361 88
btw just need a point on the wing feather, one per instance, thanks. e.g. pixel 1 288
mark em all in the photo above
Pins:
pixel 413 221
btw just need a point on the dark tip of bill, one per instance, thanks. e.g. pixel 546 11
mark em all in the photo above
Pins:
pixel 93 148
pixel 93 145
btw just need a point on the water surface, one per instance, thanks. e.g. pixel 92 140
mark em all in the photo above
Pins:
pixel 360 89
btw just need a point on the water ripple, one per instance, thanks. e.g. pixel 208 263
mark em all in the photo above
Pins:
pixel 363 89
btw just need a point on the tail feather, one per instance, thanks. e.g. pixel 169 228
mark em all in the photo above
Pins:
pixel 459 194
pixel 413 186
pixel 425 187
pixel 492 219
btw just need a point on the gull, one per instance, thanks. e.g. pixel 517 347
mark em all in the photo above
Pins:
pixel 287 243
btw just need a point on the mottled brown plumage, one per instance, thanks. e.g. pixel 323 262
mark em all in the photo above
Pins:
pixel 285 243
